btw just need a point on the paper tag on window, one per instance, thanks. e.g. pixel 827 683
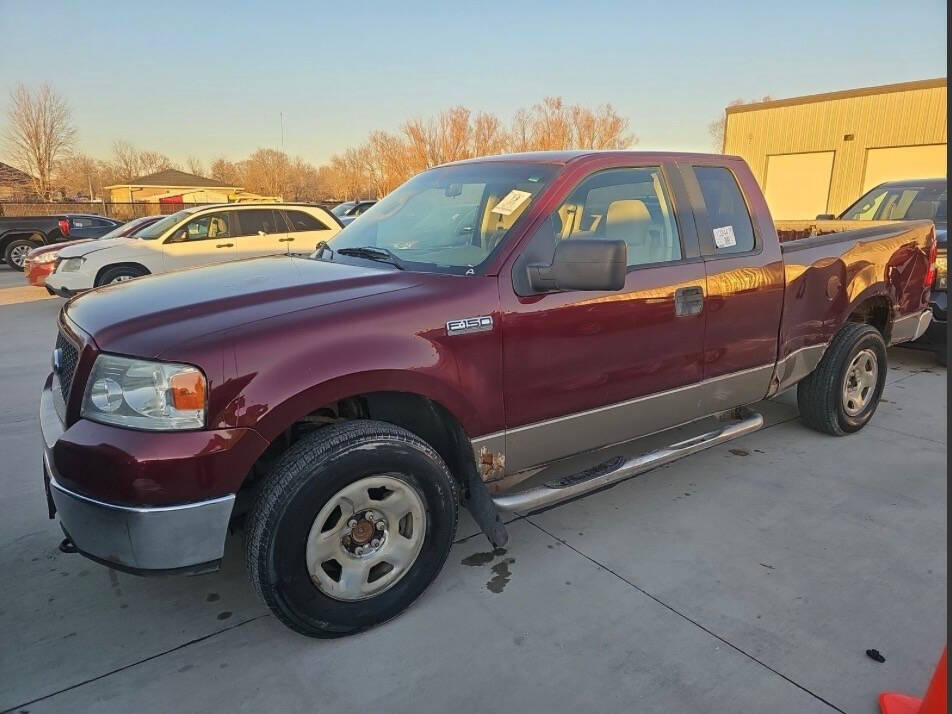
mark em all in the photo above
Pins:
pixel 511 202
pixel 724 237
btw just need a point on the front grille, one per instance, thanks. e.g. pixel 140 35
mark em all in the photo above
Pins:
pixel 69 356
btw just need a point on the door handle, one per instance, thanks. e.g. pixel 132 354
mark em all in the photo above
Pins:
pixel 285 240
pixel 225 245
pixel 688 301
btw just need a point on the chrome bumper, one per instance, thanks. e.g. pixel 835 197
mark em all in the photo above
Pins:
pixel 189 537
pixel 910 327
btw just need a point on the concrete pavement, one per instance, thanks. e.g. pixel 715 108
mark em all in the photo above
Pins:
pixel 748 578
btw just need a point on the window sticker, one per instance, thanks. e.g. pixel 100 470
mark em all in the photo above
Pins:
pixel 724 237
pixel 511 202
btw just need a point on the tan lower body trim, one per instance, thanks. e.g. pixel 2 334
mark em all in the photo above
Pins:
pixel 532 445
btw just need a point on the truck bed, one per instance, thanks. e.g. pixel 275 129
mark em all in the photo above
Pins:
pixel 832 266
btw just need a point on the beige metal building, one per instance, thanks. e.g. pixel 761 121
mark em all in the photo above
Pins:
pixel 818 154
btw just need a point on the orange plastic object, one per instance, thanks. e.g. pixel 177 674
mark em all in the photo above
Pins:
pixel 935 701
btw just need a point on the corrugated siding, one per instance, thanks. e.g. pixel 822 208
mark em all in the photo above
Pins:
pixel 903 118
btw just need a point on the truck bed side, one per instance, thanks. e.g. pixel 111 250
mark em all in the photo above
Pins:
pixel 837 271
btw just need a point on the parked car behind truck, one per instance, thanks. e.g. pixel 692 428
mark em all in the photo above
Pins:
pixel 202 235
pixel 911 200
pixel 39 262
pixel 497 333
pixel 21 234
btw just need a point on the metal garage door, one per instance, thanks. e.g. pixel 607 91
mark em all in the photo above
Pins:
pixel 903 162
pixel 798 185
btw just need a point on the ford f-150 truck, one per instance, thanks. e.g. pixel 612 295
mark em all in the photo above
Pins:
pixel 497 333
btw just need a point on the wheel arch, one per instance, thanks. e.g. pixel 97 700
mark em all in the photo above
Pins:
pixel 872 307
pixel 123 264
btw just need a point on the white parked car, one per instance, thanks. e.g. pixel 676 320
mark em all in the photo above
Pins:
pixel 195 236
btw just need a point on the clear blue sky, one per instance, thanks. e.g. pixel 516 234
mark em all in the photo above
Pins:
pixel 208 79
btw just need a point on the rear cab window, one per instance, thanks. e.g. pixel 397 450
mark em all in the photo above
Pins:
pixel 727 215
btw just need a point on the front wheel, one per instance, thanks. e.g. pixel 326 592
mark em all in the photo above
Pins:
pixel 119 275
pixel 840 396
pixel 350 527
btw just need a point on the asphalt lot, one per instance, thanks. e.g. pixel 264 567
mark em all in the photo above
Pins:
pixel 748 578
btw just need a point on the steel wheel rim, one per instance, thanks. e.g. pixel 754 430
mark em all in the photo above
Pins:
pixel 859 383
pixel 120 279
pixel 18 255
pixel 345 564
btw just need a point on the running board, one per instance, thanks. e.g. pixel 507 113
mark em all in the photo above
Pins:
pixel 740 422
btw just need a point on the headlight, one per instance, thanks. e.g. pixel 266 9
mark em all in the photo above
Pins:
pixel 47 257
pixel 145 395
pixel 941 270
pixel 69 265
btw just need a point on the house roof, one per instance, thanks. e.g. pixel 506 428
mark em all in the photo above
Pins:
pixel 173 178
pixel 10 176
pixel 844 94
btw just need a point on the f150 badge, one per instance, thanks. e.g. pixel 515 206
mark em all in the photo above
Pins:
pixel 483 323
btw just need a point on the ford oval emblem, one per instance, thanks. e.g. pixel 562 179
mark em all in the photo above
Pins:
pixel 57 360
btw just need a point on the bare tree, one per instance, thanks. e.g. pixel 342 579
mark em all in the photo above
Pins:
pixel 40 132
pixel 195 166
pixel 717 127
pixel 128 162
pixel 228 172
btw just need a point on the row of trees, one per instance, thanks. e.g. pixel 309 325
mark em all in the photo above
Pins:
pixel 40 140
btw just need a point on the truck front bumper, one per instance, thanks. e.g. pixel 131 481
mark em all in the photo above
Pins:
pixel 184 533
pixel 189 538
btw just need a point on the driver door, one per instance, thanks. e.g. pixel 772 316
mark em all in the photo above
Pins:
pixel 204 240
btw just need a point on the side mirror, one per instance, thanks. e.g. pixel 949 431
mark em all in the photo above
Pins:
pixel 179 236
pixel 826 217
pixel 585 264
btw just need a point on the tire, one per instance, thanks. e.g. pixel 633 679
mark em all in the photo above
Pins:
pixel 16 250
pixel 286 527
pixel 119 274
pixel 858 354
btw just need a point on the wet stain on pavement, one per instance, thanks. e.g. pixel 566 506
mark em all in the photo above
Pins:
pixel 740 452
pixel 477 559
pixel 501 576
pixel 224 615
pixel 212 597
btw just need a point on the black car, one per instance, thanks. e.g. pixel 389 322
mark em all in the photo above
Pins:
pixel 908 200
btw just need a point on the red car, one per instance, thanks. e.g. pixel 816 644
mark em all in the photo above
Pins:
pixel 40 261
pixel 476 339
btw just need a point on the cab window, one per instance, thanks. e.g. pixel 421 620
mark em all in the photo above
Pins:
pixel 631 205
pixel 727 212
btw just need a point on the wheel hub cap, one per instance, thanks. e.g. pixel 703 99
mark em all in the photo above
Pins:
pixel 366 537
pixel 859 384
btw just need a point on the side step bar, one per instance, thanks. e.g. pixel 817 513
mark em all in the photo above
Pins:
pixel 739 422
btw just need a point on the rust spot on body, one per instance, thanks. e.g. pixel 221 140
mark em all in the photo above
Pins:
pixel 491 465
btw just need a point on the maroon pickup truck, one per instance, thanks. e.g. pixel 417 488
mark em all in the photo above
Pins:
pixel 498 333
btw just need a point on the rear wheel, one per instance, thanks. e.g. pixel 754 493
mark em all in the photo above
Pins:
pixel 350 527
pixel 16 252
pixel 120 275
pixel 842 393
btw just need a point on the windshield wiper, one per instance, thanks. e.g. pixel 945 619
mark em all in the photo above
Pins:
pixel 381 255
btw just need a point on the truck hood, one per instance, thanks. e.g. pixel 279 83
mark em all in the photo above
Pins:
pixel 149 316
pixel 86 247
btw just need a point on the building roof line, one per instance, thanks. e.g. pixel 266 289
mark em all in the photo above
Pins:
pixel 842 94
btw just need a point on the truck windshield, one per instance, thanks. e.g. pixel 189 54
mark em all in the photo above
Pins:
pixel 449 219
pixel 159 227
pixel 900 203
